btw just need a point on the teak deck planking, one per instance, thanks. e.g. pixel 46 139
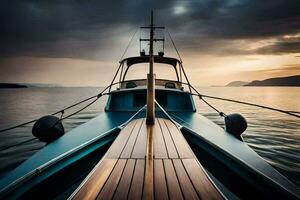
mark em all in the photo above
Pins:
pixel 148 162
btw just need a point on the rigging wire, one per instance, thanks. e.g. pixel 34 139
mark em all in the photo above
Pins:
pixel 78 111
pixel 291 113
pixel 174 45
pixel 222 114
pixel 127 47
pixel 17 144
pixel 256 105
pixel 64 109
pixel 73 105
pixel 19 125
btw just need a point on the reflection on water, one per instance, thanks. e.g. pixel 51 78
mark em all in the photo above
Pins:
pixel 274 136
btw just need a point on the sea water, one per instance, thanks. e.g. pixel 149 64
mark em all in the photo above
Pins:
pixel 274 136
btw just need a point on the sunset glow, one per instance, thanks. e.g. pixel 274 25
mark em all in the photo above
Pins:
pixel 81 46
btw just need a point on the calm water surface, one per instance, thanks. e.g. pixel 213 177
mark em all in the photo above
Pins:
pixel 274 136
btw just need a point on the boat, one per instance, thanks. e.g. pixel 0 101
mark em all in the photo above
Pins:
pixel 150 143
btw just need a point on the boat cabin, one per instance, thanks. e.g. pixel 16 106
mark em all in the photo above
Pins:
pixel 130 94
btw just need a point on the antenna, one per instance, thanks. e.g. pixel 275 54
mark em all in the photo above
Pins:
pixel 147 40
pixel 150 115
pixel 150 76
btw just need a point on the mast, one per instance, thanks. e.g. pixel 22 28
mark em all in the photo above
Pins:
pixel 150 115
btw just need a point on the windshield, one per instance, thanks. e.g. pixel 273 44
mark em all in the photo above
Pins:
pixel 140 71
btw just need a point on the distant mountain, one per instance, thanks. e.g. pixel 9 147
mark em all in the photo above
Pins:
pixel 27 85
pixel 12 85
pixel 280 81
pixel 237 83
pixel 41 85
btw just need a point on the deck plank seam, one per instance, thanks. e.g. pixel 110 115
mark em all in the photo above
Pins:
pixel 87 178
pixel 181 159
pixel 172 138
pixel 133 176
pixel 114 193
pixel 143 121
pixel 149 170
pixel 209 179
pixel 155 142
pixel 135 162
pixel 135 123
pixel 109 151
pixel 194 156
pixel 184 141
pixel 165 178
pixel 130 179
pixel 154 179
pixel 205 180
pixel 143 188
pixel 168 154
pixel 182 193
pixel 190 179
pixel 77 192
pixel 91 173
pixel 176 178
pixel 138 123
pixel 115 164
pixel 99 192
pixel 187 144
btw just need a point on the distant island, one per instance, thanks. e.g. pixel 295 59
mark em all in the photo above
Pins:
pixel 26 85
pixel 12 85
pixel 237 83
pixel 289 81
pixel 280 81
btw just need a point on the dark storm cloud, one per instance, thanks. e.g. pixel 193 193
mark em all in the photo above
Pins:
pixel 281 46
pixel 254 18
pixel 79 28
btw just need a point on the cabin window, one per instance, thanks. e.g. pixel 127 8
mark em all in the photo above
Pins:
pixel 139 99
pixel 140 71
pixel 133 100
pixel 161 98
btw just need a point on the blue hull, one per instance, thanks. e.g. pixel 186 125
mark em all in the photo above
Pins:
pixel 219 152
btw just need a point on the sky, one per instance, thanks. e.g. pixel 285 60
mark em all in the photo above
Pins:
pixel 80 43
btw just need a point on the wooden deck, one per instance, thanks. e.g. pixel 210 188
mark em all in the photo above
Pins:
pixel 148 162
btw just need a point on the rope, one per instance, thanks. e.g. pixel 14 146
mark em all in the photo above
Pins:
pixel 174 45
pixel 19 125
pixel 63 110
pixel 17 144
pixel 61 118
pixel 78 111
pixel 291 113
pixel 256 105
pixel 222 114
pixel 294 112
pixel 73 105
pixel 129 44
